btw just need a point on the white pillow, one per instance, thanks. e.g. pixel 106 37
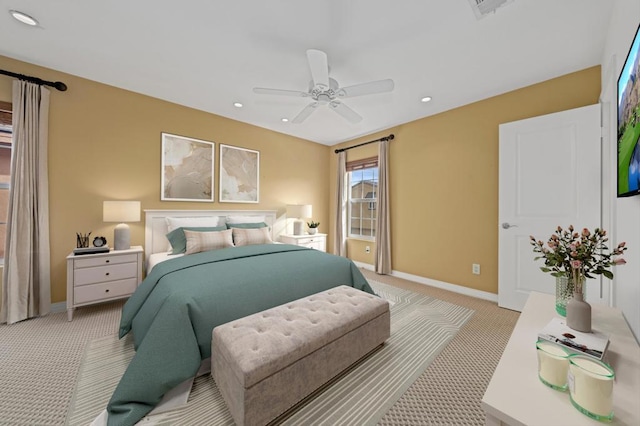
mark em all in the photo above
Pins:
pixel 205 241
pixel 245 237
pixel 246 219
pixel 177 222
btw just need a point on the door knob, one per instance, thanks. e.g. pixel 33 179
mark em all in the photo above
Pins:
pixel 506 225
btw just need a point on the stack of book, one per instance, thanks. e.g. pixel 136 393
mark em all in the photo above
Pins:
pixel 90 250
pixel 593 344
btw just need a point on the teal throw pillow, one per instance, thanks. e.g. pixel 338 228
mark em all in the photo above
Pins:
pixel 247 225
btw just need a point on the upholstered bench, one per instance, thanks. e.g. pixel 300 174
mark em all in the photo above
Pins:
pixel 265 363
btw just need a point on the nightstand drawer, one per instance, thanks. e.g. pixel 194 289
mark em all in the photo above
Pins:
pixel 316 241
pixel 318 245
pixel 105 260
pixel 307 240
pixel 104 273
pixel 97 292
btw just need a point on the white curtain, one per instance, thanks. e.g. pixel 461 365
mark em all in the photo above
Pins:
pixel 383 228
pixel 339 240
pixel 26 290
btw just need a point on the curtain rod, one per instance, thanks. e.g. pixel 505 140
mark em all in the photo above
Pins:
pixel 386 138
pixel 56 84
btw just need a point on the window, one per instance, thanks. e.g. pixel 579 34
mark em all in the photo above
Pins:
pixel 362 178
pixel 5 170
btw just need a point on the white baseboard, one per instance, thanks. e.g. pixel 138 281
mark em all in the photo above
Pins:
pixel 438 284
pixel 58 307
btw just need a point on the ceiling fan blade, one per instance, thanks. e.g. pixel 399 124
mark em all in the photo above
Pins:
pixel 306 112
pixel 370 88
pixel 264 91
pixel 319 67
pixel 346 112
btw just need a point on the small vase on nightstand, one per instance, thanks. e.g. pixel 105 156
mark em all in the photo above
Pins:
pixel 312 231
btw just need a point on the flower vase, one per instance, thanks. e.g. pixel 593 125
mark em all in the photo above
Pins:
pixel 564 293
pixel 313 231
pixel 579 311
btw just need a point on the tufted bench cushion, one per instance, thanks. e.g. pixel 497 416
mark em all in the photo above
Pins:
pixel 265 363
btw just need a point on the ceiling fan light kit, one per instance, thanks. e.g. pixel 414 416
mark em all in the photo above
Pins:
pixel 482 8
pixel 324 90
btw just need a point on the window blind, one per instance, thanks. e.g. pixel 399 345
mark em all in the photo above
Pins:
pixel 365 163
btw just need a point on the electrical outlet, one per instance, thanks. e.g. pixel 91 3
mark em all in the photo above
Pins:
pixel 367 249
pixel 475 268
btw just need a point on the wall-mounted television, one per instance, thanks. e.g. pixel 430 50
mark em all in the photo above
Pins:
pixel 629 122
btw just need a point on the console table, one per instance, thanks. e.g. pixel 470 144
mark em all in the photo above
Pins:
pixel 515 395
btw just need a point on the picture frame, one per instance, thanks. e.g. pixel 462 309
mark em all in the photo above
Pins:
pixel 239 180
pixel 187 169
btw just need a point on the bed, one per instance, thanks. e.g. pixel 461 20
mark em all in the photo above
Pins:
pixel 183 297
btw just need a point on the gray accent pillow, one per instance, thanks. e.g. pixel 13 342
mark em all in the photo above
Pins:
pixel 206 241
pixel 178 240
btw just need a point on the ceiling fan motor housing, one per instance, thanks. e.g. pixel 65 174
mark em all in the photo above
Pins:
pixel 322 94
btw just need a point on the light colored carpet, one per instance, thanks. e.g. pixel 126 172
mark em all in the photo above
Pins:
pixel 451 388
pixel 421 326
pixel 40 360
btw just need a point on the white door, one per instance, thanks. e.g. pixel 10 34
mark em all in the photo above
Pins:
pixel 549 176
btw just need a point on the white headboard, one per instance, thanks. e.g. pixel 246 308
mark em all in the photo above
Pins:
pixel 155 228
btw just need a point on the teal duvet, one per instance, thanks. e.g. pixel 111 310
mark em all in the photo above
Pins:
pixel 174 310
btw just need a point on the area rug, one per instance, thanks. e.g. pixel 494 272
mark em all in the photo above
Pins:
pixel 421 326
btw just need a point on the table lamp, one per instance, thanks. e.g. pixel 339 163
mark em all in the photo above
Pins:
pixel 121 211
pixel 298 211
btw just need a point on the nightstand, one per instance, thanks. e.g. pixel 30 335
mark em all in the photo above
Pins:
pixel 316 241
pixel 102 277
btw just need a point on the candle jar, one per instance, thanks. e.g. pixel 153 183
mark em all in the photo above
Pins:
pixel 553 365
pixel 591 387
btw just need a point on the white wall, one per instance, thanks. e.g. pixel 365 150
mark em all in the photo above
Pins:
pixel 623 214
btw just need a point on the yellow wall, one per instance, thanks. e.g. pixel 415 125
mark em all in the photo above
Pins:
pixel 104 144
pixel 444 181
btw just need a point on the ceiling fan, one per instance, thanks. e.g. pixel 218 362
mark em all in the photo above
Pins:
pixel 324 90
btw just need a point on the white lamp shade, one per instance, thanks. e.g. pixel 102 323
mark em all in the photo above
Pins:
pixel 300 211
pixel 121 211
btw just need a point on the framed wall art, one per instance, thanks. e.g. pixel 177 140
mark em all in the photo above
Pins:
pixel 239 175
pixel 187 169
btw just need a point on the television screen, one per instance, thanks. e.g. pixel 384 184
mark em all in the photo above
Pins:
pixel 629 122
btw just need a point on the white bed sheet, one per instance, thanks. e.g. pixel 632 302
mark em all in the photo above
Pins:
pixel 156 258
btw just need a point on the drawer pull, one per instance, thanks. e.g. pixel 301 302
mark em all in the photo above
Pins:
pixel 106 291
pixel 107 261
pixel 107 273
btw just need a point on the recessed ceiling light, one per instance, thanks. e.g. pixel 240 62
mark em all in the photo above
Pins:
pixel 237 104
pixel 425 99
pixel 285 120
pixel 24 18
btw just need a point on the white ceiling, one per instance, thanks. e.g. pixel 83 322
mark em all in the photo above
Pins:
pixel 208 54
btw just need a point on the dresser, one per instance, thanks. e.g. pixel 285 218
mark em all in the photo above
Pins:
pixel 515 395
pixel 316 241
pixel 102 277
